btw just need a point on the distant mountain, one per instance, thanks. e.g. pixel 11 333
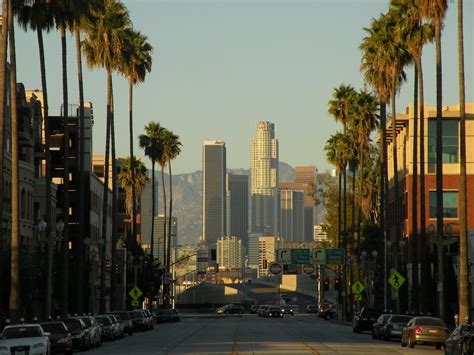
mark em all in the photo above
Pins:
pixel 187 199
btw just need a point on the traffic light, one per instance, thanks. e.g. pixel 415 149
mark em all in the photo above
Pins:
pixel 326 285
pixel 216 268
pixel 336 284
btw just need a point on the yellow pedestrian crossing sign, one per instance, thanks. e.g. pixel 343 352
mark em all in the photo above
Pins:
pixel 135 293
pixel 358 288
pixel 396 280
pixel 357 297
pixel 135 303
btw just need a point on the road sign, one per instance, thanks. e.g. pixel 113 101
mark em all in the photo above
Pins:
pixel 358 288
pixel 275 268
pixel 135 303
pixel 135 293
pixel 309 269
pixel 300 256
pixel 284 256
pixel 335 256
pixel 318 256
pixel 396 280
pixel 357 297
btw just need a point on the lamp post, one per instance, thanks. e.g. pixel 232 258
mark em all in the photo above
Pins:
pixel 42 225
pixel 87 243
pixel 59 231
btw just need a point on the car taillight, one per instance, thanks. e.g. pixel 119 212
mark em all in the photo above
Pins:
pixel 418 330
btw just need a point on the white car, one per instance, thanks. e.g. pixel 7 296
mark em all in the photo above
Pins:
pixel 22 339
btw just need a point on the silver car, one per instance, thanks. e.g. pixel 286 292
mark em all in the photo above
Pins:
pixel 119 326
pixel 94 330
pixel 24 339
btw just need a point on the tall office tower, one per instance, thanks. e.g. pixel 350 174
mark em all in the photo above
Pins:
pixel 146 214
pixel 229 253
pixel 237 187
pixel 213 194
pixel 159 241
pixel 305 180
pixel 264 173
pixel 292 215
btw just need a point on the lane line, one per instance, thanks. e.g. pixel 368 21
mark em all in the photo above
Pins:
pixel 234 345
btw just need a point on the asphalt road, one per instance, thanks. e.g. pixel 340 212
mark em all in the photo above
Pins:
pixel 250 334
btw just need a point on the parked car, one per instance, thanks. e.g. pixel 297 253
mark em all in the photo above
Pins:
pixel 80 334
pixel 116 326
pixel 428 330
pixel 24 339
pixel 311 308
pixel 107 330
pixel 60 338
pixel 139 320
pixel 167 315
pixel 458 342
pixel 254 308
pixel 394 326
pixel 149 316
pixel 379 324
pixel 94 330
pixel 287 309
pixel 230 309
pixel 126 321
pixel 365 319
pixel 328 313
pixel 273 312
pixel 262 309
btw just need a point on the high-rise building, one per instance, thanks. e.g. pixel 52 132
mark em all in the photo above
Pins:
pixel 262 252
pixel 264 180
pixel 237 187
pixel 213 193
pixel 159 240
pixel 229 252
pixel 292 215
pixel 146 214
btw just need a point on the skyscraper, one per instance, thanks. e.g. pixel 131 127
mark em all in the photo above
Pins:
pixel 292 215
pixel 237 187
pixel 229 252
pixel 213 193
pixel 264 174
pixel 160 241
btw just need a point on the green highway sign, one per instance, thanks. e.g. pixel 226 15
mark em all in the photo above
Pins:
pixel 300 256
pixel 335 256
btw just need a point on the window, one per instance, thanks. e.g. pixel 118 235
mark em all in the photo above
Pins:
pixel 450 204
pixel 23 204
pixel 450 143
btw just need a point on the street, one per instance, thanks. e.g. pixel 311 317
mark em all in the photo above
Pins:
pixel 249 334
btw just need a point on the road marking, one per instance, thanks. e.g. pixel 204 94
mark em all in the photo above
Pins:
pixel 234 345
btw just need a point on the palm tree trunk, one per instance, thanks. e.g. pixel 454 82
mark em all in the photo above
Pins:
pixel 15 304
pixel 165 287
pixel 3 85
pixel 344 236
pixel 170 189
pixel 439 168
pixel 81 193
pixel 339 214
pixel 383 193
pixel 105 197
pixel 153 209
pixel 113 284
pixel 463 245
pixel 134 207
pixel 414 200
pixel 359 219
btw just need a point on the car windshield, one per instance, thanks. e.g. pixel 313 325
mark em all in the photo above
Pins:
pixel 137 315
pixel 369 312
pixel 21 332
pixel 274 308
pixel 400 319
pixel 73 324
pixel 122 315
pixel 103 321
pixel 53 328
pixel 430 321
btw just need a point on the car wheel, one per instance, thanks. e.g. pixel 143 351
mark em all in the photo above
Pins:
pixel 373 335
pixel 411 343
pixel 402 342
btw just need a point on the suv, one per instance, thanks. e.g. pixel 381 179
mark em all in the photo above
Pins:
pixel 365 319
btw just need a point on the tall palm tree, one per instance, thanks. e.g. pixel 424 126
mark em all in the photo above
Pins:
pixel 102 46
pixel 152 144
pixel 463 245
pixel 135 64
pixel 133 176
pixel 435 11
pixel 15 305
pixel 172 148
pixel 3 84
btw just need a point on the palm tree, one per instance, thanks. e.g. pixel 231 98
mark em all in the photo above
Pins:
pixel 135 64
pixel 133 176
pixel 172 148
pixel 102 46
pixel 463 245
pixel 152 143
pixel 3 84
pixel 15 305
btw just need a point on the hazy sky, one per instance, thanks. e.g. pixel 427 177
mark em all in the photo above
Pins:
pixel 220 66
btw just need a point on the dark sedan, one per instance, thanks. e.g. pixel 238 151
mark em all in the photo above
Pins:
pixel 365 319
pixel 394 326
pixel 60 338
pixel 126 321
pixel 230 309
pixel 139 320
pixel 458 342
pixel 311 308
pixel 377 328
pixel 427 330
pixel 273 312
pixel 80 334
pixel 167 315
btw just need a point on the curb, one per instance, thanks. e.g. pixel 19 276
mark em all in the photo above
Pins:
pixel 349 324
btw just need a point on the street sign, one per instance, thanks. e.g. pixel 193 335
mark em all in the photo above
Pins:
pixel 284 256
pixel 335 256
pixel 275 268
pixel 396 280
pixel 309 269
pixel 357 297
pixel 135 293
pixel 300 256
pixel 358 288
pixel 135 303
pixel 318 256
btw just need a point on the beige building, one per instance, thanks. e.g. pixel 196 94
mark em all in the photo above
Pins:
pixel 262 252
pixel 229 253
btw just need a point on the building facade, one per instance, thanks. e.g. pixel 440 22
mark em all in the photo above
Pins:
pixel 145 211
pixel 292 215
pixel 229 253
pixel 160 241
pixel 237 187
pixel 262 252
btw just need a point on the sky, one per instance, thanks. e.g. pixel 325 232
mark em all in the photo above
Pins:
pixel 220 66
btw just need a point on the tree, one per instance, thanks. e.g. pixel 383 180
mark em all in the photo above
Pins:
pixel 136 62
pixel 105 36
pixel 152 144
